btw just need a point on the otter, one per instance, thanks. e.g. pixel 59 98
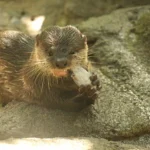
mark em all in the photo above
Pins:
pixel 38 70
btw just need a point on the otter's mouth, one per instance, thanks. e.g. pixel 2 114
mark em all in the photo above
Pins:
pixel 59 72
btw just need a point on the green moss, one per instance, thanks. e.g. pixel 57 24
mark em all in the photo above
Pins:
pixel 142 28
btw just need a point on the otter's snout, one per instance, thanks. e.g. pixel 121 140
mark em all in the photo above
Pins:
pixel 61 62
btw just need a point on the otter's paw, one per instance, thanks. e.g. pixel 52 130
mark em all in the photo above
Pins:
pixel 91 90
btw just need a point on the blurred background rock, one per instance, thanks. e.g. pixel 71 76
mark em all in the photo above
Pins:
pixel 31 15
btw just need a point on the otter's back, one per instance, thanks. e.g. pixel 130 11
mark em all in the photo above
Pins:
pixel 15 47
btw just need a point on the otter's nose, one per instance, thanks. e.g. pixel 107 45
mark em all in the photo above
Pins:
pixel 61 62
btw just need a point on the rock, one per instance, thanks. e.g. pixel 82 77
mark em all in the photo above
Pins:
pixel 123 108
pixel 66 143
pixel 20 119
pixel 80 76
pixel 57 12
pixel 139 141
pixel 77 11
pixel 33 25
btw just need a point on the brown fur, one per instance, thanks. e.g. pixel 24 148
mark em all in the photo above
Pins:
pixel 27 66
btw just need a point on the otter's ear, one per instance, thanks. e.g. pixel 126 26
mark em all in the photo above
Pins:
pixel 84 38
pixel 37 40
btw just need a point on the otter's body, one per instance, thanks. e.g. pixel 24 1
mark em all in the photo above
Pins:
pixel 37 70
pixel 15 50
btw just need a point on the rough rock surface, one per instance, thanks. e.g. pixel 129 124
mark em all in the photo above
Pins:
pixel 60 12
pixel 123 108
pixel 65 143
pixel 19 119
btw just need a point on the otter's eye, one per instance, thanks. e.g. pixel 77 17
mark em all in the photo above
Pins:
pixel 51 50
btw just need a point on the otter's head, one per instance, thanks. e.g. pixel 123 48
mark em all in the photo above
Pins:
pixel 61 48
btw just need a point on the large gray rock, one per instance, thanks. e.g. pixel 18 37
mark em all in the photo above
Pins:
pixel 77 10
pixel 19 119
pixel 58 12
pixel 123 107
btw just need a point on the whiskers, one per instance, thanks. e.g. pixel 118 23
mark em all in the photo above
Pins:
pixel 91 55
pixel 39 77
pixel 35 63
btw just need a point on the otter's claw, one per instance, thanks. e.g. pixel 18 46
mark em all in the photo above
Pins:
pixel 95 81
pixel 91 90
